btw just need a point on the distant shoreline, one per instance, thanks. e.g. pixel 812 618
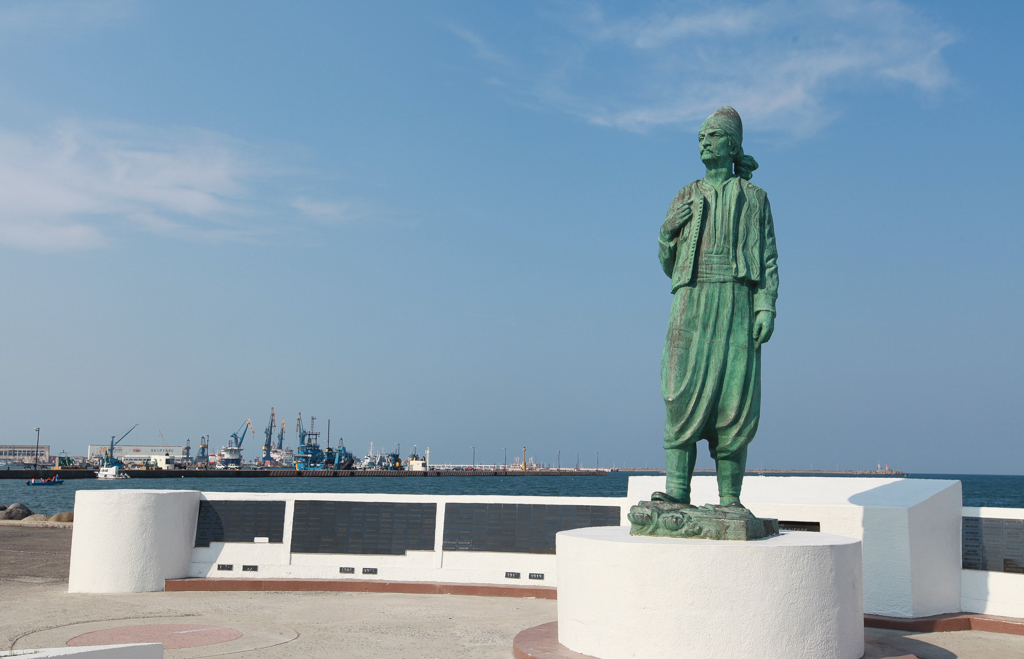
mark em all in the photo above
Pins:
pixel 78 474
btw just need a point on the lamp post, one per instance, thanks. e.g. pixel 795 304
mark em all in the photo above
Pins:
pixel 474 456
pixel 35 459
pixel 598 460
pixel 559 460
pixel 577 462
pixel 504 460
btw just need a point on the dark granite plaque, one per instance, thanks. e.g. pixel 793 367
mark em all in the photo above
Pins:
pixel 362 527
pixel 520 528
pixel 994 545
pixel 239 521
pixel 971 544
pixel 814 527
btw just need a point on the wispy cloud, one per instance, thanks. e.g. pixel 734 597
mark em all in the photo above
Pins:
pixel 32 15
pixel 482 49
pixel 324 211
pixel 69 187
pixel 780 62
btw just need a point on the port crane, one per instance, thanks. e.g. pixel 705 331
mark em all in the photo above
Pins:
pixel 280 435
pixel 338 458
pixel 110 460
pixel 237 441
pixel 268 443
pixel 309 453
pixel 231 455
pixel 203 456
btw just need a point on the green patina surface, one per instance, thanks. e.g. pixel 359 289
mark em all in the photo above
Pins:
pixel 680 520
pixel 717 244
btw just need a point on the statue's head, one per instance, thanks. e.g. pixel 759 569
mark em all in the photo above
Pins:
pixel 721 142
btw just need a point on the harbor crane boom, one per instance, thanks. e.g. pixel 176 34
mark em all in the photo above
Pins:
pixel 110 461
pixel 269 442
pixel 238 439
pixel 300 430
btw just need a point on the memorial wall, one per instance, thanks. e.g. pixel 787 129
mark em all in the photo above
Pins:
pixel 923 552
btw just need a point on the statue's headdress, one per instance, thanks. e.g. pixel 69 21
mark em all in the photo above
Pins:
pixel 728 120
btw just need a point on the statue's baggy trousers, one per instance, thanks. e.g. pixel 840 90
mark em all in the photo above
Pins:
pixel 710 379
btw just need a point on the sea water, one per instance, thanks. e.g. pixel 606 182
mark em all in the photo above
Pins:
pixel 994 491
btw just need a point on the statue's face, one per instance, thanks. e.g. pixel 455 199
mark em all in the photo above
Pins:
pixel 716 147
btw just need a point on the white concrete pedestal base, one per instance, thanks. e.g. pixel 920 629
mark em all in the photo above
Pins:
pixel 130 541
pixel 793 596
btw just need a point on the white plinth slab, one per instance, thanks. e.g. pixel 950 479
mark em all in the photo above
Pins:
pixel 792 596
pixel 910 528
pixel 130 541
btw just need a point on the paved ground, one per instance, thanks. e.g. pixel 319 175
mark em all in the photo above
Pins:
pixel 38 612
pixel 35 553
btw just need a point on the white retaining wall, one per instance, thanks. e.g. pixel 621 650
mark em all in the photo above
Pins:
pixel 276 561
pixel 994 593
pixel 131 540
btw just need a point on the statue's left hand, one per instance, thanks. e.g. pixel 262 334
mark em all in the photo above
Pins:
pixel 764 325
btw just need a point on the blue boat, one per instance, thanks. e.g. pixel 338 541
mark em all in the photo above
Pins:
pixel 53 480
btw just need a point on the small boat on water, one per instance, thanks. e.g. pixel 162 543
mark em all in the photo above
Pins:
pixel 110 473
pixel 53 480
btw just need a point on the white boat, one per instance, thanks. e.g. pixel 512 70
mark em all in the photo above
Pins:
pixel 282 457
pixel 110 473
pixel 230 457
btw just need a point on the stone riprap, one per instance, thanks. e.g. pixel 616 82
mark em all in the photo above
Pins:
pixel 16 511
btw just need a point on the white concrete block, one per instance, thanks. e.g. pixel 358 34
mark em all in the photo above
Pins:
pixel 793 596
pixel 910 529
pixel 130 541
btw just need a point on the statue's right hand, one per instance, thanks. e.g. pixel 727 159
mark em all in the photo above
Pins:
pixel 675 222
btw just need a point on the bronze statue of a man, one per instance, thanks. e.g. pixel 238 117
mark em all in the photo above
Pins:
pixel 718 246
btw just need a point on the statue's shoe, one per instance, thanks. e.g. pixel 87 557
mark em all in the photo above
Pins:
pixel 667 498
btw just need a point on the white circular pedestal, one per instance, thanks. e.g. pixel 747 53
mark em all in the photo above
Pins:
pixel 793 596
pixel 129 541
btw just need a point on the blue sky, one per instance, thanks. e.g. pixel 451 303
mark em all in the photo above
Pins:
pixel 435 224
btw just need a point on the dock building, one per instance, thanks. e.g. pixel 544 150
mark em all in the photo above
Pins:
pixel 24 453
pixel 136 453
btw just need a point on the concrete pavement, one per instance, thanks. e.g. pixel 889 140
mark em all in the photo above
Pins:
pixel 38 612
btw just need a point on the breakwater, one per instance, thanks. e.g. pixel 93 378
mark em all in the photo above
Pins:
pixel 891 473
pixel 75 474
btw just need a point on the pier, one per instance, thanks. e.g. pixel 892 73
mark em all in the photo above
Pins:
pixel 70 474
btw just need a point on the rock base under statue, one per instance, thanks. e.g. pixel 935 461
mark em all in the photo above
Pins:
pixel 680 520
pixel 796 595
